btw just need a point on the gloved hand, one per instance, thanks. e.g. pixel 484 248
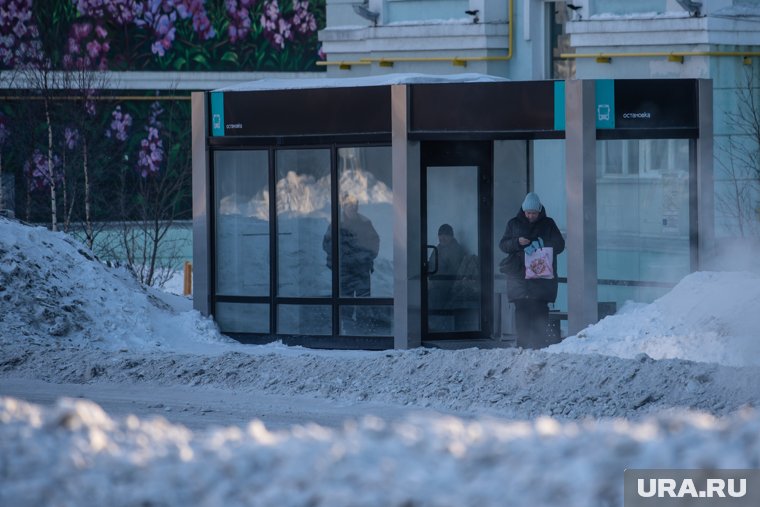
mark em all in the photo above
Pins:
pixel 536 244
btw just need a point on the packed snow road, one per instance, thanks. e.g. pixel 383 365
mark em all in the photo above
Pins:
pixel 202 407
pixel 508 383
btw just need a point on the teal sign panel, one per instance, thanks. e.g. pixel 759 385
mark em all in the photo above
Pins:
pixel 605 104
pixel 217 114
pixel 559 105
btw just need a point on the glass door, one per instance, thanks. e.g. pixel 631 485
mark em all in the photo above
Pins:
pixel 456 227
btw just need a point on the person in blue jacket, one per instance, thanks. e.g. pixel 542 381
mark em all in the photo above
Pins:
pixel 528 230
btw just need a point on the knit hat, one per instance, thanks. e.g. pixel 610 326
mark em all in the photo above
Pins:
pixel 445 229
pixel 531 202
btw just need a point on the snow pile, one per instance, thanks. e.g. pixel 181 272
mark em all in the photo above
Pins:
pixel 52 289
pixel 506 382
pixel 708 316
pixel 75 454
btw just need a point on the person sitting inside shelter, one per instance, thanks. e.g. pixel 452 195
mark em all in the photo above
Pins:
pixel 448 261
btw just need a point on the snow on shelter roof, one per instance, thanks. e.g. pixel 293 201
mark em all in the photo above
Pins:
pixel 347 82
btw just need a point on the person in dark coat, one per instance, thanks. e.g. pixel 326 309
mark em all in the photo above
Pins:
pixel 530 297
pixel 358 247
pixel 357 250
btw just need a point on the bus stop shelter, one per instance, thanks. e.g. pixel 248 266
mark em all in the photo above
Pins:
pixel 623 166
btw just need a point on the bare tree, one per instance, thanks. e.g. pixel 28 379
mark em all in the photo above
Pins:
pixel 85 84
pixel 739 158
pixel 46 85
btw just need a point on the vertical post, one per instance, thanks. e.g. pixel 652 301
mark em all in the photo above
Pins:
pixel 187 287
pixel 704 186
pixel 201 229
pixel 406 226
pixel 580 157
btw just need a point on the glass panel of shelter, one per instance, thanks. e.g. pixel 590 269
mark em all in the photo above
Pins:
pixel 453 275
pixel 241 184
pixel 365 248
pixel 642 218
pixel 302 199
pixel 303 202
pixel 548 181
pixel 457 200
pixel 241 213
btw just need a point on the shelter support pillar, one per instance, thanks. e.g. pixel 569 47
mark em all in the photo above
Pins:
pixel 580 159
pixel 201 239
pixel 407 265
pixel 702 192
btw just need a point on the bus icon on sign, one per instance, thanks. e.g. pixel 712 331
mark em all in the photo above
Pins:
pixel 217 121
pixel 603 112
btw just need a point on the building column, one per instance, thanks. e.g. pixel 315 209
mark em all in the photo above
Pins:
pixel 580 160
pixel 201 217
pixel 407 267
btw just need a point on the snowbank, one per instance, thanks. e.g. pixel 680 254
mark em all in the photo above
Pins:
pixel 708 316
pixel 52 289
pixel 75 454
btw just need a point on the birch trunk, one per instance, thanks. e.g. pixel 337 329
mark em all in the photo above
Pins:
pixel 51 175
pixel 87 218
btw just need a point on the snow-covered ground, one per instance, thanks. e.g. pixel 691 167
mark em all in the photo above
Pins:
pixel 193 418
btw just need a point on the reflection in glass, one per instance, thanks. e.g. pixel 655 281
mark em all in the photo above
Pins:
pixel 365 249
pixel 358 246
pixel 304 319
pixel 642 215
pixel 242 317
pixel 362 320
pixel 303 212
pixel 241 201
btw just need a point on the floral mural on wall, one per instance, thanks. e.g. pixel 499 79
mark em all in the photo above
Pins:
pixel 173 35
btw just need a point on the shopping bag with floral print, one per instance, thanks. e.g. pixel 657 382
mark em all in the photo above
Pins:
pixel 538 264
